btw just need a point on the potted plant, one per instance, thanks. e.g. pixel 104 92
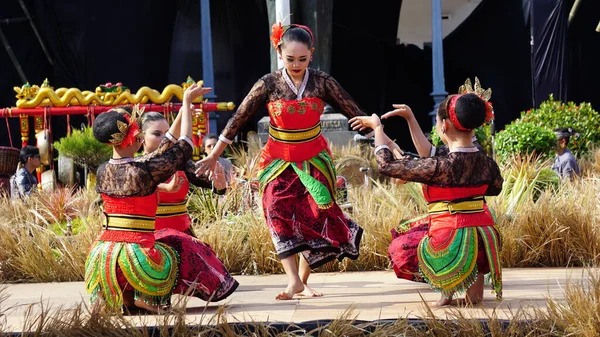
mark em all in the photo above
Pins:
pixel 83 148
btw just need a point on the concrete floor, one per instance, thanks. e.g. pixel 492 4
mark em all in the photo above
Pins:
pixel 370 296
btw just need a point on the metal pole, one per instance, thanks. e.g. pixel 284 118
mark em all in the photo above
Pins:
pixel 207 56
pixel 282 13
pixel 532 45
pixel 208 75
pixel 437 60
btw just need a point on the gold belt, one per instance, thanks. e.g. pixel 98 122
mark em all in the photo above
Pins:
pixel 125 222
pixel 469 206
pixel 167 210
pixel 295 136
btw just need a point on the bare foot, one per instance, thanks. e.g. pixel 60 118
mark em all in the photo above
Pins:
pixel 443 302
pixel 152 308
pixel 289 292
pixel 309 292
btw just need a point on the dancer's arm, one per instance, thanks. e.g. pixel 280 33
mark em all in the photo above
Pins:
pixel 495 187
pixel 416 133
pixel 163 166
pixel 253 101
pixel 172 186
pixel 342 102
pixel 175 128
pixel 424 170
pixel 215 181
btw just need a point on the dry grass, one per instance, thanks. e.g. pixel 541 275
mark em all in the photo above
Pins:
pixel 29 248
pixel 560 229
pixel 579 314
pixel 541 223
pixel 545 222
pixel 590 165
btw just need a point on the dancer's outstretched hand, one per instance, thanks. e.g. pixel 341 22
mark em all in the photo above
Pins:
pixel 194 91
pixel 364 122
pixel 401 110
pixel 206 165
pixel 173 186
pixel 218 177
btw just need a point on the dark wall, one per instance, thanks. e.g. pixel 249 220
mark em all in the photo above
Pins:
pixel 492 44
pixel 151 43
pixel 377 72
pixel 240 45
pixel 156 42
pixel 583 54
pixel 361 54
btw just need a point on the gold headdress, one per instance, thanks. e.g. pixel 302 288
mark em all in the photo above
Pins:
pixel 485 95
pixel 128 132
pixel 467 88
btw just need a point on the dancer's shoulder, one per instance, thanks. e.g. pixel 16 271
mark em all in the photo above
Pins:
pixel 318 74
pixel 270 77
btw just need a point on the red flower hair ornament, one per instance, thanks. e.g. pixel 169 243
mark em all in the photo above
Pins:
pixel 467 88
pixel 277 31
pixel 128 132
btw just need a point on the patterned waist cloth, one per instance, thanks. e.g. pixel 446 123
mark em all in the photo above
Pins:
pixel 471 205
pixel 296 135
pixel 130 222
pixel 171 209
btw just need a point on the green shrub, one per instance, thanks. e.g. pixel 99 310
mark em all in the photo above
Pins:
pixel 523 138
pixel 555 114
pixel 84 149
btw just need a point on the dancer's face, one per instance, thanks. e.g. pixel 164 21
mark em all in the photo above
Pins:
pixel 296 56
pixel 154 134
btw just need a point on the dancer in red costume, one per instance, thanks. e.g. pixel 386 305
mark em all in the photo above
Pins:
pixel 456 243
pixel 172 206
pixel 297 176
pixel 127 265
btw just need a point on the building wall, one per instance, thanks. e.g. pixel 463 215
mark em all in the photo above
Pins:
pixel 415 19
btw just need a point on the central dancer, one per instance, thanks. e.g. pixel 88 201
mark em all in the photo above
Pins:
pixel 297 174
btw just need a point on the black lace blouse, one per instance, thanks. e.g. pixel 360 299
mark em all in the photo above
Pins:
pixel 273 86
pixel 454 169
pixel 141 176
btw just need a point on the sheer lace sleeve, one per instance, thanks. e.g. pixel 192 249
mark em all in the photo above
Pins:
pixel 341 101
pixel 140 176
pixel 190 173
pixel 457 169
pixel 495 187
pixel 439 151
pixel 164 145
pixel 253 101
pixel 164 165
pixel 422 170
